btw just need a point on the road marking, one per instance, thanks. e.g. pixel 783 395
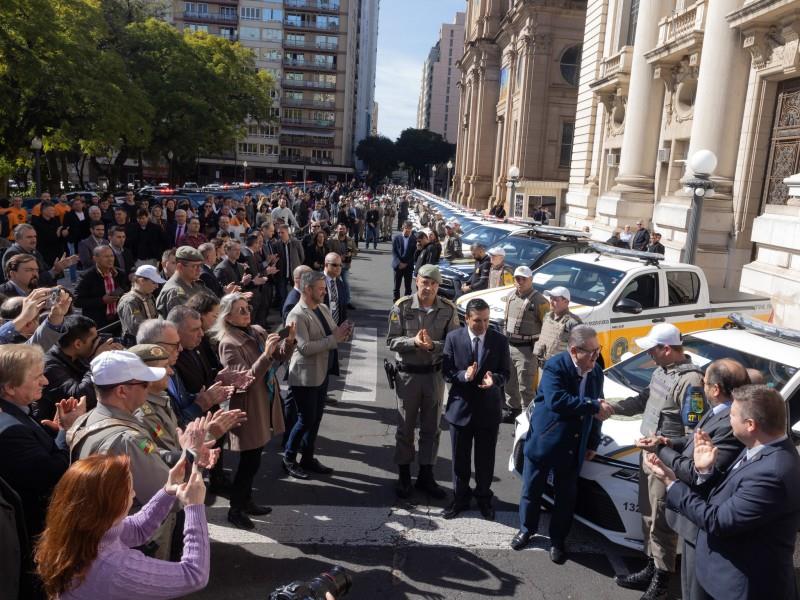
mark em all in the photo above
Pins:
pixel 361 380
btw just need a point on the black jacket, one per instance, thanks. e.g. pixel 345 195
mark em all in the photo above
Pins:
pixel 78 230
pixel 227 272
pixel 89 295
pixel 65 377
pixel 48 242
pixel 45 278
pixel 194 370
pixel 208 278
pixel 147 243
pixel 479 280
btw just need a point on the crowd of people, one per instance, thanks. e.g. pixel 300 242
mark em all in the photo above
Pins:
pixel 119 391
pixel 135 345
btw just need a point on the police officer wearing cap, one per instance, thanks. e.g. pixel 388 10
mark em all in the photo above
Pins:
pixel 671 406
pixel 138 304
pixel 525 311
pixel 184 283
pixel 452 243
pixel 156 414
pixel 418 325
pixel 556 326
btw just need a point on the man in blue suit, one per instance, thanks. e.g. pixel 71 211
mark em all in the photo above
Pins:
pixel 748 524
pixel 476 363
pixel 403 247
pixel 565 430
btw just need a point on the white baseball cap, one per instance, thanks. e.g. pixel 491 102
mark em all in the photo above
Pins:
pixel 558 292
pixel 663 334
pixel 523 271
pixel 151 273
pixel 496 251
pixel 117 366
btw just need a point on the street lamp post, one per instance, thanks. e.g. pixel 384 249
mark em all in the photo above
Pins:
pixel 449 168
pixel 513 178
pixel 170 155
pixel 244 166
pixel 36 146
pixel 702 164
pixel 433 179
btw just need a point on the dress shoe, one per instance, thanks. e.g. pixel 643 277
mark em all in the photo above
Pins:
pixel 331 401
pixel 314 466
pixel 520 540
pixel 294 470
pixel 639 580
pixel 427 483
pixel 510 415
pixel 455 509
pixel 257 510
pixel 487 510
pixel 659 586
pixel 558 555
pixel 403 487
pixel 239 519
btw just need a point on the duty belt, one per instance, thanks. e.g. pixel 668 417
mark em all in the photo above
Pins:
pixel 419 369
pixel 519 340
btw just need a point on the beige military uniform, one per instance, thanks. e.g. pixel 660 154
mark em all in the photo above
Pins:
pixel 176 291
pixel 158 417
pixel 419 384
pixel 523 323
pixel 554 336
pixel 132 309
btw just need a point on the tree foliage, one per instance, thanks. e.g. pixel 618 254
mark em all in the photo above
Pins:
pixel 379 155
pixel 419 148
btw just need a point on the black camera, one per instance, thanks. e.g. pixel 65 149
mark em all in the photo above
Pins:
pixel 337 581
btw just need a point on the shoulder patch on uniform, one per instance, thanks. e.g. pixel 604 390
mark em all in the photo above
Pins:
pixel 145 445
pixel 402 299
pixel 393 316
pixel 146 409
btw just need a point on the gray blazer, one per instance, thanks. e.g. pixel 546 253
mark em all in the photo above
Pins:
pixel 309 364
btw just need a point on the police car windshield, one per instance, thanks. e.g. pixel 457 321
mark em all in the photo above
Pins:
pixel 483 234
pixel 636 372
pixel 522 250
pixel 588 284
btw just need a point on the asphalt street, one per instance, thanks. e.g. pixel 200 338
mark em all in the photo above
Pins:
pixel 352 518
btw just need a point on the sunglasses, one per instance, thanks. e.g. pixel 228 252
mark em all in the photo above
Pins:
pixel 245 310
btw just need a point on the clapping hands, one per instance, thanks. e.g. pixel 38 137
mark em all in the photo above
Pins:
pixel 487 382
pixel 705 452
pixel 240 380
pixel 423 340
pixel 658 468
pixel 67 412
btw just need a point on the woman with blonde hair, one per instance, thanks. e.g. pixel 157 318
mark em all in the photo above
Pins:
pixel 247 347
pixel 87 548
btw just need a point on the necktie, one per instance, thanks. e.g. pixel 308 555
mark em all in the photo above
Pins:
pixel 334 294
pixel 178 233
pixel 475 343
pixel 288 264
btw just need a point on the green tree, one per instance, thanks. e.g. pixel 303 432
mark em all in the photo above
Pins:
pixel 379 155
pixel 417 149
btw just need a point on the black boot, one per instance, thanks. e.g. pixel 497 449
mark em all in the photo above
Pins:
pixel 403 487
pixel 639 580
pixel 659 584
pixel 427 483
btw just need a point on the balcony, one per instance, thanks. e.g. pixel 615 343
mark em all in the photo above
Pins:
pixel 210 17
pixel 311 26
pixel 304 65
pixel 308 103
pixel 321 123
pixel 615 73
pixel 311 85
pixel 312 45
pixel 306 160
pixel 321 6
pixel 307 141
pixel 680 34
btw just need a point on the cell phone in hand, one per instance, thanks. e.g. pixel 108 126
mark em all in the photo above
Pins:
pixel 283 332
pixel 189 465
pixel 55 296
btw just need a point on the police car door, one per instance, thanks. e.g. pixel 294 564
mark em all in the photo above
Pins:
pixel 682 287
pixel 636 309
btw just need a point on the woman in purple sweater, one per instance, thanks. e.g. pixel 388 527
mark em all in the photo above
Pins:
pixel 87 548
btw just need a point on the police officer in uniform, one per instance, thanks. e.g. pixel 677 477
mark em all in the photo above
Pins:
pixel 671 405
pixel 184 283
pixel 525 311
pixel 556 326
pixel 418 325
pixel 138 304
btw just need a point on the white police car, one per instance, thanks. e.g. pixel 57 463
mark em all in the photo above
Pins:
pixel 607 487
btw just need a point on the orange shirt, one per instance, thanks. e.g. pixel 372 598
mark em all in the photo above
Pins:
pixel 60 207
pixel 16 216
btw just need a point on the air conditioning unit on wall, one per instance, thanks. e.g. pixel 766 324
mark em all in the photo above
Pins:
pixel 663 155
pixel 612 160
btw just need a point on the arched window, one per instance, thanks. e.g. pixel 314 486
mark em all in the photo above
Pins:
pixel 571 65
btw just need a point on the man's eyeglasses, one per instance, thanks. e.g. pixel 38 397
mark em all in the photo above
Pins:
pixel 591 351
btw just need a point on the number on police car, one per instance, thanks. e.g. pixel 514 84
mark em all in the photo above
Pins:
pixel 630 506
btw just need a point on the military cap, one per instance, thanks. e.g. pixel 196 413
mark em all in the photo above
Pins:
pixel 149 352
pixel 189 254
pixel 430 272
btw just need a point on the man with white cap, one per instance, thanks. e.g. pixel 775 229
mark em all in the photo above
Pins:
pixel 556 326
pixel 138 304
pixel 497 271
pixel 525 312
pixel 671 406
pixel 452 243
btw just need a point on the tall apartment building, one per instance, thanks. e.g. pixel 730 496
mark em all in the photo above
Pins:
pixel 367 57
pixel 519 89
pixel 663 79
pixel 312 50
pixel 437 109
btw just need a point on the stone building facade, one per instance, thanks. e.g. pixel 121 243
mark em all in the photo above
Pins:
pixel 519 87
pixel 662 79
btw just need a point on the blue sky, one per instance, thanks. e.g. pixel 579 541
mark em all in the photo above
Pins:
pixel 406 31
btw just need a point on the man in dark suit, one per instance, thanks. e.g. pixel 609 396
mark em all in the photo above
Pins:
pixel 476 362
pixel 721 378
pixel 100 288
pixel 747 527
pixel 145 239
pixel 207 276
pixel 403 248
pixel 123 257
pixel 25 239
pixel 290 256
pixel 335 291
pixel 176 229
pixel 564 431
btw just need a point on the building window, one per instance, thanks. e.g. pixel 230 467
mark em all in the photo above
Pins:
pixel 227 33
pixel 296 39
pixel 633 17
pixel 250 13
pixel 271 35
pixel 571 65
pixel 227 12
pixel 249 33
pixel 272 14
pixel 195 8
pixel 567 136
pixel 271 54
pixel 195 28
pixel 294 20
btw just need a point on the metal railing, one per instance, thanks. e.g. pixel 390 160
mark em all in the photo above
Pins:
pixel 320 5
pixel 311 25
pixel 312 45
pixel 317 85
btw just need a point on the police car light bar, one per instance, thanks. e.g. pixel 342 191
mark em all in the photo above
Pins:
pixel 562 232
pixel 650 258
pixel 745 322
